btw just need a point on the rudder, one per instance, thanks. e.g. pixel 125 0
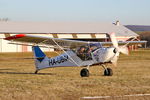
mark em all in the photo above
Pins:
pixel 41 60
pixel 38 53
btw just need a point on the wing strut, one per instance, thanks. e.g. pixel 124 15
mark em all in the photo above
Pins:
pixel 65 52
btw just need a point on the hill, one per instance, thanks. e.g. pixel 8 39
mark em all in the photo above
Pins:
pixel 145 36
pixel 137 28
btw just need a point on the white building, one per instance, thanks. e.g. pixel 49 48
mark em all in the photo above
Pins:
pixel 73 30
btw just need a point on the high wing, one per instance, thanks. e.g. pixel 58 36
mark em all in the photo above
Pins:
pixel 42 40
pixel 124 43
pixel 65 43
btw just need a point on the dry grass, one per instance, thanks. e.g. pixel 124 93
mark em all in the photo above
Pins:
pixel 18 81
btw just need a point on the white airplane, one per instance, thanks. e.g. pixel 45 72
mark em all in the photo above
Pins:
pixel 76 53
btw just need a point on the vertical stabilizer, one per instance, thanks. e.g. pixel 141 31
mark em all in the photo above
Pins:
pixel 41 60
pixel 38 53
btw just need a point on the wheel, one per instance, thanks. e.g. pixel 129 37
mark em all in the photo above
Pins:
pixel 108 72
pixel 84 72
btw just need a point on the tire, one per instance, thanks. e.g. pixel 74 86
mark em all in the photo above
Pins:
pixel 84 73
pixel 108 72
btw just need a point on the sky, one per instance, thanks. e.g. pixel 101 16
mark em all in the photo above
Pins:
pixel 128 12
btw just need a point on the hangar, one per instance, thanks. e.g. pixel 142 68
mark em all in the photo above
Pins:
pixel 89 31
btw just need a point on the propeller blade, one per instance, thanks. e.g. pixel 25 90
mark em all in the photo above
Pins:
pixel 124 50
pixel 114 40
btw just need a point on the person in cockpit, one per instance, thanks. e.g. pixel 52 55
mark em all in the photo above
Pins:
pixel 81 52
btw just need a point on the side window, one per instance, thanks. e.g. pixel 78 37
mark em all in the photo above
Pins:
pixel 84 53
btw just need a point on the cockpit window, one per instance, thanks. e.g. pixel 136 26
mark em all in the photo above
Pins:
pixel 84 52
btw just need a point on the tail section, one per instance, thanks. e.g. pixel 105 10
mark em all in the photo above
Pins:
pixel 63 60
pixel 38 54
pixel 41 60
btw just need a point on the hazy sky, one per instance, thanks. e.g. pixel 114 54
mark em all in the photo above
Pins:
pixel 127 11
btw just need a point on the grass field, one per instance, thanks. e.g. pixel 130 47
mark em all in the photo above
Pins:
pixel 18 81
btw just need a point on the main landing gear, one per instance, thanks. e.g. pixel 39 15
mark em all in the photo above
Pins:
pixel 85 72
pixel 107 71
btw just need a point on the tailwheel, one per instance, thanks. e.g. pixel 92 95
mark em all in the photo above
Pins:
pixel 84 72
pixel 36 72
pixel 108 72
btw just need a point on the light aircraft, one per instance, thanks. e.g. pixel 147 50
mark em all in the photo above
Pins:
pixel 76 53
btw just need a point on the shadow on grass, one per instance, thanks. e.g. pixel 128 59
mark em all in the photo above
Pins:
pixel 27 73
pixel 7 69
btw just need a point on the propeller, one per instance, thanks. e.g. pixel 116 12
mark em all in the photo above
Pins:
pixel 118 49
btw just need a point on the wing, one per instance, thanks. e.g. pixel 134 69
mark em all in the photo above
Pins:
pixel 65 43
pixel 124 43
pixel 41 40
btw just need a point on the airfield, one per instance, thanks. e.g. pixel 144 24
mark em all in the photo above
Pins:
pixel 18 81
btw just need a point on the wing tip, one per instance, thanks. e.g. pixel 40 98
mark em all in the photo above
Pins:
pixel 15 37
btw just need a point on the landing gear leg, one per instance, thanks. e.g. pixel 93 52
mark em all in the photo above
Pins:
pixel 107 71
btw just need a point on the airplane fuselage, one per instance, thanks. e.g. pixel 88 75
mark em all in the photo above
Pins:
pixel 70 58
